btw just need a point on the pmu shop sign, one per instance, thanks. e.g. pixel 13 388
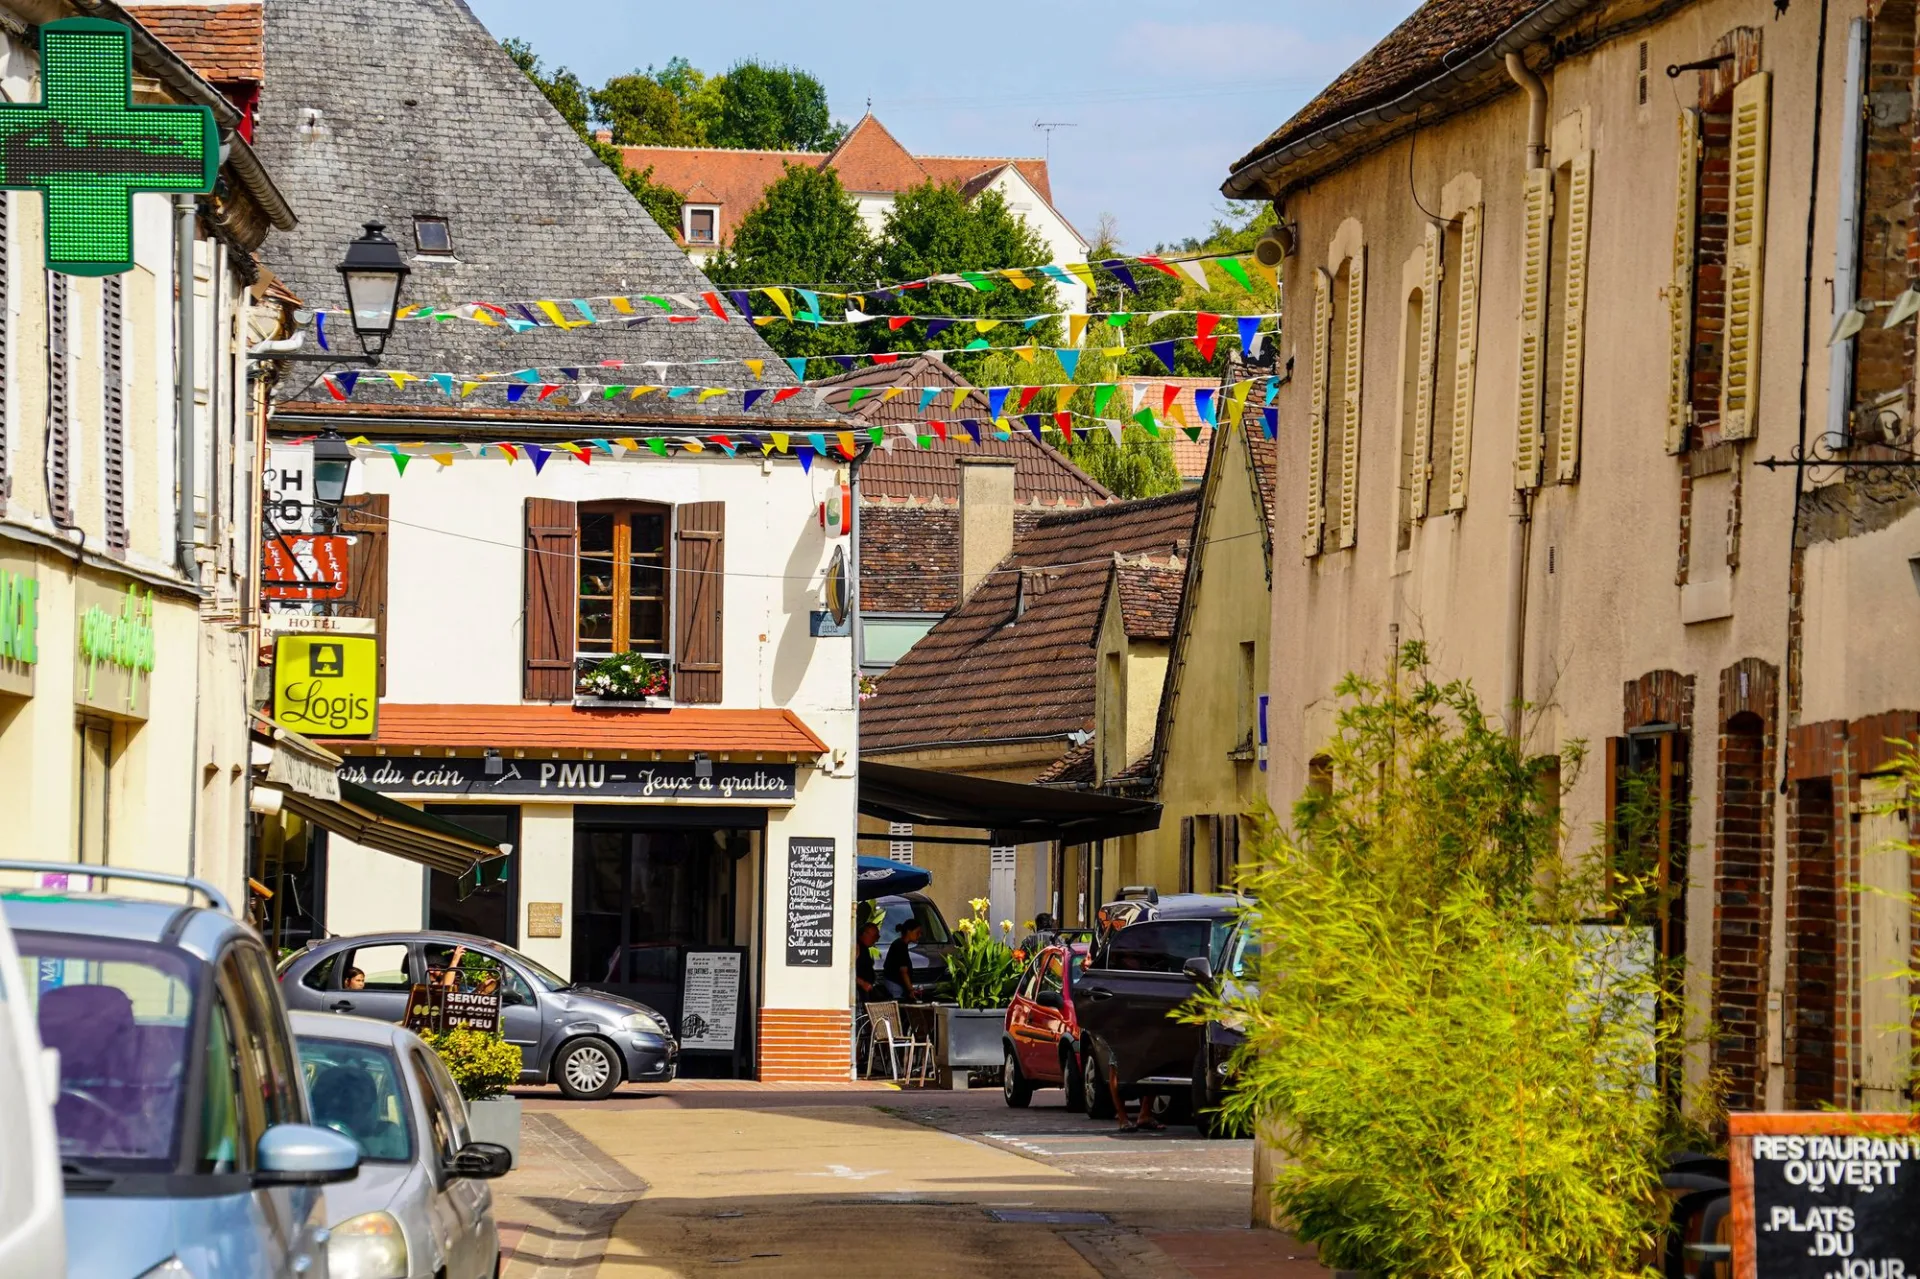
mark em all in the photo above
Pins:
pixel 572 779
pixel 87 147
pixel 326 685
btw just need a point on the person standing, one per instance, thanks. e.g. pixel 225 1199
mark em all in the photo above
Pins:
pixel 898 967
pixel 866 977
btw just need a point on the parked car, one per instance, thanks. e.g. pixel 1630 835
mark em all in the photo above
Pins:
pixel 1135 980
pixel 936 939
pixel 32 1225
pixel 420 1206
pixel 584 1040
pixel 1042 1038
pixel 186 1143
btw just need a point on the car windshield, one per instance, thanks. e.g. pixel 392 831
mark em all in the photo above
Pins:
pixel 933 929
pixel 355 1090
pixel 119 1014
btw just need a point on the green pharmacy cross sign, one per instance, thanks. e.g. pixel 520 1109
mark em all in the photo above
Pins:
pixel 88 148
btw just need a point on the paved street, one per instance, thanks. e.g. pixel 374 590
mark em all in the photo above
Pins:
pixel 697 1179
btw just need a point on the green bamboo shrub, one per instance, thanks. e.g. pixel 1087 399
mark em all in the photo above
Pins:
pixel 1461 1075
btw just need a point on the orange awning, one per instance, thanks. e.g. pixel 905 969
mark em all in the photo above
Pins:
pixel 564 728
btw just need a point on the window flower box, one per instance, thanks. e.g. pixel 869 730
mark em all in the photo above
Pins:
pixel 623 680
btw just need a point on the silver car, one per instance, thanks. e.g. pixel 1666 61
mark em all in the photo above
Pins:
pixel 420 1205
pixel 586 1041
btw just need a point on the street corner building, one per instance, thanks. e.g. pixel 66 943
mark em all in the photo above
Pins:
pixel 129 438
pixel 594 603
pixel 1602 331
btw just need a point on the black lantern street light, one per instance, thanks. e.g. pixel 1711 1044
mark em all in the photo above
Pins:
pixel 332 459
pixel 374 272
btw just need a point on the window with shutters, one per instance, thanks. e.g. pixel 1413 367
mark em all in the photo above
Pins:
pixel 1536 226
pixel 1416 397
pixel 1316 469
pixel 1456 351
pixel 59 406
pixel 114 411
pixel 1339 391
pixel 625 556
pixel 1567 318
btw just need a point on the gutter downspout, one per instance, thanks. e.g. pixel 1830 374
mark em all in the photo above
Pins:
pixel 1513 692
pixel 186 214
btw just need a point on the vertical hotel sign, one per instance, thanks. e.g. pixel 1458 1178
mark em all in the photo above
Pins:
pixel 86 147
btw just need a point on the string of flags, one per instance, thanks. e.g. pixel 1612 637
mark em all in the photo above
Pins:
pixel 802 304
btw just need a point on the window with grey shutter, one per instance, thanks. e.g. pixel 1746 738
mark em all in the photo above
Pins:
pixel 113 414
pixel 59 462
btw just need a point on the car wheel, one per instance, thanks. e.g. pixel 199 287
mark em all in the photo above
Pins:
pixel 1014 1085
pixel 1070 1080
pixel 1093 1087
pixel 586 1069
pixel 1206 1104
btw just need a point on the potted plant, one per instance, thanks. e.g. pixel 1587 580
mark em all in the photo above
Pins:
pixel 981 975
pixel 483 1065
pixel 624 679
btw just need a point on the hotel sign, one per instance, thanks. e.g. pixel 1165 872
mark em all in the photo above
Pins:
pixel 572 779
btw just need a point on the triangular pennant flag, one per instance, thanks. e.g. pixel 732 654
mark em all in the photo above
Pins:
pixel 532 321
pixel 847 446
pixel 468 388
pixel 805 455
pixel 1249 326
pixel 552 312
pixel 798 363
pixel 897 322
pixel 1120 319
pixel 780 300
pixel 514 391
pixel 892 391
pixel 756 366
pixel 713 304
pixel 1069 359
pixel 1033 424
pixel 1026 352
pixel 1270 422
pixel 1121 273
pixel 1203 402
pixel 332 389
pixel 539 456
pixel 996 399
pixel 856 395
pixel 726 444
pixel 936 327
pixel 1016 277
pixel 1076 325
pixel 1196 272
pixel 927 395
pixel 639 391
pixel 876 434
pixel 1193 433
pixel 1236 268
pixel 740 302
pixel 1139 395
pixel 1159 266
pixel 609 392
pixel 530 376
pixel 786 393
pixel 819 441
pixel 1204 323
pixel 320 329
pixel 1055 273
pixel 1101 394
pixel 400 379
pixel 445 382
pixel 548 388
pixel 1206 346
pixel 978 344
pixel 707 393
pixel 972 428
pixel 658 445
pixel 444 459
pixel 1145 419
pixel 1164 352
pixel 1114 428
pixel 960 395
pixel 1064 421
pixel 978 280
pixel 939 428
pixel 347 378
pixel 1063 396
pixel 1083 272
pixel 780 440
pixel 985 326
pixel 1026 396
pixel 844 361
pixel 809 305
pixel 884 357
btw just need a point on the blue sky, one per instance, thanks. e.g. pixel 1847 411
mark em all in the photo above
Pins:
pixel 1162 96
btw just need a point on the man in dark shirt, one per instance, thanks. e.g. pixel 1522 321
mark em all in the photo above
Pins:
pixel 899 962
pixel 866 979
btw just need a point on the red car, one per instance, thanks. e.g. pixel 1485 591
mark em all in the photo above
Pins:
pixel 1042 1033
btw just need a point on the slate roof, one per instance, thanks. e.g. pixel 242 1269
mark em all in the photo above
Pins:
pixel 382 110
pixel 225 43
pixel 909 558
pixel 1149 591
pixel 982 675
pixel 1075 768
pixel 1440 34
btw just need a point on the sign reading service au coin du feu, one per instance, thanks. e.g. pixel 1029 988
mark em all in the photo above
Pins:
pixel 1826 1195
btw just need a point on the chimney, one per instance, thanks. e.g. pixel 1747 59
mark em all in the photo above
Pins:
pixel 986 517
pixel 603 136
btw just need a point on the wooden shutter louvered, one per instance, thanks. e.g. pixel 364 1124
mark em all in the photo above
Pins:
pixel 1317 411
pixel 1430 268
pixel 1536 234
pixel 699 601
pixel 1680 287
pixel 59 408
pixel 1746 252
pixel 113 407
pixel 1466 351
pixel 364 519
pixel 1573 339
pixel 1350 377
pixel 553 543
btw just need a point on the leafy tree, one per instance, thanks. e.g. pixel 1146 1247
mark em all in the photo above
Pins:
pixel 1137 466
pixel 641 111
pixel 1156 291
pixel 806 228
pixel 773 108
pixel 1458 1068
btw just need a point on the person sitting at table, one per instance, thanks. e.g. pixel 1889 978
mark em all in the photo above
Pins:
pixel 898 966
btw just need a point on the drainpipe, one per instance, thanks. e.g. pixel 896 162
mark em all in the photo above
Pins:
pixel 186 215
pixel 1514 679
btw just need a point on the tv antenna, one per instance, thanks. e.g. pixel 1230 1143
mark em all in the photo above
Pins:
pixel 1048 126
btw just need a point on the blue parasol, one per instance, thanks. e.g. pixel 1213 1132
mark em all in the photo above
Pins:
pixel 878 877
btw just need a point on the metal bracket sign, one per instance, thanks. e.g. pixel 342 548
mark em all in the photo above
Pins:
pixel 87 148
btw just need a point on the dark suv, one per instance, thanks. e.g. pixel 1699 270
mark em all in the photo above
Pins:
pixel 1156 954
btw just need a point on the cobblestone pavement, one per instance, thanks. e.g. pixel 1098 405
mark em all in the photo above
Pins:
pixel 556 1210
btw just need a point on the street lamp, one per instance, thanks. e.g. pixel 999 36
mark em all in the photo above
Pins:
pixel 332 459
pixel 374 272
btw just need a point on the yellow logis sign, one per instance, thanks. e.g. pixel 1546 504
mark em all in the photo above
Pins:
pixel 326 685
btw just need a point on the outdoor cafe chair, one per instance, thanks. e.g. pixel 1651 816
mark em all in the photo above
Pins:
pixel 891 1035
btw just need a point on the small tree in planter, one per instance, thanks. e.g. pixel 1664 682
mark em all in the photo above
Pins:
pixel 482 1065
pixel 981 976
pixel 1462 1075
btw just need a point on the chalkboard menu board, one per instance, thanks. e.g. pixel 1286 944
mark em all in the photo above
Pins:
pixel 809 903
pixel 1826 1196
pixel 710 1001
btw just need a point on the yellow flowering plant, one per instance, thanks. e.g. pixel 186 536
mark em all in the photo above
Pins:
pixel 982 972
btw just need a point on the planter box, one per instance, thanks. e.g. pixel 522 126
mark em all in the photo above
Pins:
pixel 497 1119
pixel 622 703
pixel 970 1038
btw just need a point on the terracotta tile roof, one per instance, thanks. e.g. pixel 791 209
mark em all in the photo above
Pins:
pixel 1189 455
pixel 909 558
pixel 1265 454
pixel 546 727
pixel 1150 591
pixel 1439 34
pixel 982 674
pixel 964 170
pixel 871 159
pixel 225 43
pixel 1075 768
pixel 734 180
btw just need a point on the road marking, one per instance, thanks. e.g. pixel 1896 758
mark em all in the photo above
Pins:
pixel 845 1173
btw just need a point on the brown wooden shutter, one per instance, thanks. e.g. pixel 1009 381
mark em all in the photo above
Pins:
pixel 114 409
pixel 1186 854
pixel 364 519
pixel 59 420
pixel 699 569
pixel 553 540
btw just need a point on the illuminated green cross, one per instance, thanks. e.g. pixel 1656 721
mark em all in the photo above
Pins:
pixel 88 148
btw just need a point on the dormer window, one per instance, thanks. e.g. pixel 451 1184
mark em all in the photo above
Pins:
pixel 433 237
pixel 701 223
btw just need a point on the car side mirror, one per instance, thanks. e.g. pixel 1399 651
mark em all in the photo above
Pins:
pixel 481 1159
pixel 1048 999
pixel 304 1155
pixel 1199 969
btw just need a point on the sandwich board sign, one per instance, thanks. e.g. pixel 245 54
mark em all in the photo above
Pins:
pixel 1825 1195
pixel 86 146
